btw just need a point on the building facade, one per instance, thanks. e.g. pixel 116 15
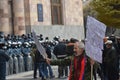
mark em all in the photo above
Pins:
pixel 57 16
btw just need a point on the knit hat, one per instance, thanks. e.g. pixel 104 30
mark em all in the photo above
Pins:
pixel 108 42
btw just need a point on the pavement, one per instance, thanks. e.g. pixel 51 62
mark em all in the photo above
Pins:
pixel 29 75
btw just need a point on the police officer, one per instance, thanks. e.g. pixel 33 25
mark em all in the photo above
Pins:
pixel 26 54
pixel 3 58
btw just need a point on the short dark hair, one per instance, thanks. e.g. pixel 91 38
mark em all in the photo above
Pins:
pixel 73 40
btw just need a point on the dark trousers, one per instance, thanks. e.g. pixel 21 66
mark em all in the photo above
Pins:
pixel 112 73
pixel 2 70
pixel 62 70
pixel 94 72
pixel 100 71
pixel 36 67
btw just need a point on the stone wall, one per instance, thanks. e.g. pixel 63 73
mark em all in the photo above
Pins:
pixel 4 16
pixel 65 32
pixel 19 16
pixel 73 12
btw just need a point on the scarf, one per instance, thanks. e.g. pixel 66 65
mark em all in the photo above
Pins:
pixel 77 68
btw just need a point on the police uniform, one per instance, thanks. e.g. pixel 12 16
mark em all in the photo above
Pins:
pixel 3 58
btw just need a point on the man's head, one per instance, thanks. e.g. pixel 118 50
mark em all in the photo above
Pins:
pixel 108 43
pixel 78 48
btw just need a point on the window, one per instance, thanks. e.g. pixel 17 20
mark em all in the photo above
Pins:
pixel 40 12
pixel 56 12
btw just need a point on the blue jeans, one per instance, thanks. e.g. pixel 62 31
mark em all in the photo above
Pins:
pixel 50 70
pixel 43 69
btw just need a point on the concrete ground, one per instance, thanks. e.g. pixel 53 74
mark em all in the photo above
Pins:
pixel 29 75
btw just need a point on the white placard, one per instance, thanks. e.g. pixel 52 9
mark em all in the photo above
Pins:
pixel 94 38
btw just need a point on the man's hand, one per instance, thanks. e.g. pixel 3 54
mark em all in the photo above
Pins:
pixel 92 62
pixel 48 60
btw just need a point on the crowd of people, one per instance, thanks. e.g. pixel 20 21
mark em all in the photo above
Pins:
pixel 80 64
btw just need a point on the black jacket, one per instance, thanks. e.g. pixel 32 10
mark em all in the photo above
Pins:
pixel 38 57
pixel 60 50
pixel 48 51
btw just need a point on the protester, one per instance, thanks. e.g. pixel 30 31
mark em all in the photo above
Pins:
pixel 48 51
pixel 80 65
pixel 115 43
pixel 101 69
pixel 35 65
pixel 39 63
pixel 60 52
pixel 110 62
